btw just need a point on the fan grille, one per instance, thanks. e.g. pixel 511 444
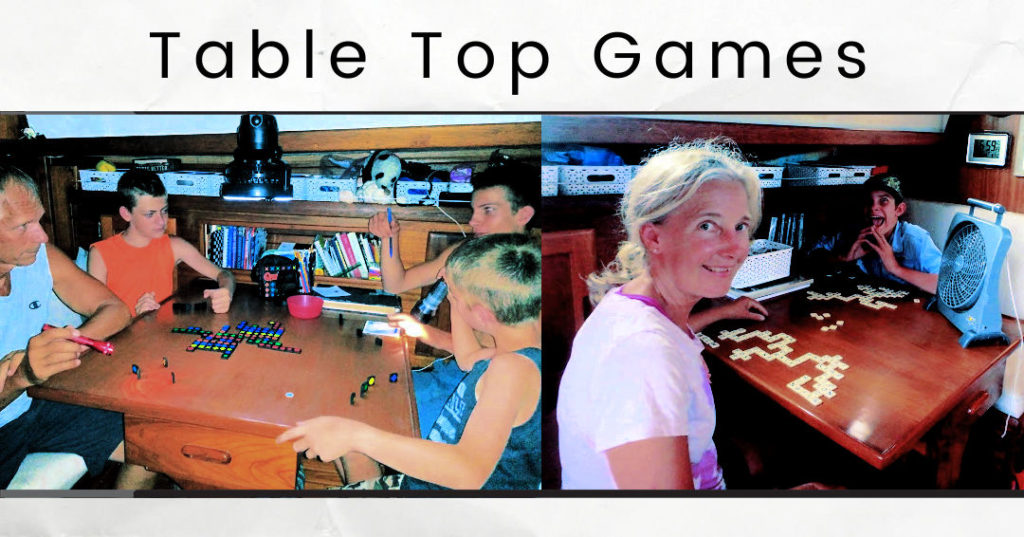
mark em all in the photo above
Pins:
pixel 964 261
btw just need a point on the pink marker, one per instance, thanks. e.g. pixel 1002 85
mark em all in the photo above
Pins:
pixel 102 346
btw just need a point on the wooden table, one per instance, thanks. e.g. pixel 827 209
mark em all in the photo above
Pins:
pixel 906 375
pixel 214 426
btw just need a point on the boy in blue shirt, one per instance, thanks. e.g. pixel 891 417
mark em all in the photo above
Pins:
pixel 888 247
pixel 488 433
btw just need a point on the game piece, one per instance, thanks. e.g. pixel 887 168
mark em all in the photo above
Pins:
pixel 165 361
pixel 839 323
pixel 135 368
pixel 289 395
pixel 371 380
pixel 172 377
pixel 828 365
pixel 362 389
pixel 352 399
pixel 378 342
pixel 393 377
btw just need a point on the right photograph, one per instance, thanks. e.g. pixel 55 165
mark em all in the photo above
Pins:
pixel 783 302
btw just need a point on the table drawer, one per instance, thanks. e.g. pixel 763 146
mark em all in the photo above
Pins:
pixel 202 457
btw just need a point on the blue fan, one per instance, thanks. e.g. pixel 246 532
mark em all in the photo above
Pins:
pixel 968 290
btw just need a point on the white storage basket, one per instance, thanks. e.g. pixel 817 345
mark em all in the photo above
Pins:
pixel 767 261
pixel 586 180
pixel 549 180
pixel 770 176
pixel 99 181
pixel 192 183
pixel 321 187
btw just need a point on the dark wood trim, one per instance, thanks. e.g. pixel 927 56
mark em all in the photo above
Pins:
pixel 618 130
pixel 437 137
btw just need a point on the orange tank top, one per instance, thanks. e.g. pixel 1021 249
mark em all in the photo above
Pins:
pixel 132 272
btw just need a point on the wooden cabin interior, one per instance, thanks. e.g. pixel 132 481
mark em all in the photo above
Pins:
pixel 761 443
pixel 765 442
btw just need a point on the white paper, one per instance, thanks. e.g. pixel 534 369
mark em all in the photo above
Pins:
pixel 332 291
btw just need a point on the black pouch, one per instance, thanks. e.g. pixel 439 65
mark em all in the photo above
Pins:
pixel 277 277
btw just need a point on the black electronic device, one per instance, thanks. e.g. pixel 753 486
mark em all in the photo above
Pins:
pixel 277 277
pixel 257 172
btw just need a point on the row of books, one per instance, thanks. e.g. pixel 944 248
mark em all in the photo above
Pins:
pixel 787 228
pixel 235 247
pixel 349 255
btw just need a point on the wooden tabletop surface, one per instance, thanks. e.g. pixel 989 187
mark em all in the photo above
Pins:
pixel 247 392
pixel 906 370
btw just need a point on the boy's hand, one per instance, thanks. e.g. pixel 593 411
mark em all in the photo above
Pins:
pixel 9 365
pixel 327 437
pixel 147 302
pixel 220 299
pixel 380 226
pixel 857 250
pixel 882 247
pixel 408 323
pixel 51 352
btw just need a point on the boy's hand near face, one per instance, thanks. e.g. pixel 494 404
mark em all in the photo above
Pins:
pixel 220 299
pixel 876 241
pixel 858 249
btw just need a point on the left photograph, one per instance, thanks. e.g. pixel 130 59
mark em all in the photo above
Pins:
pixel 270 302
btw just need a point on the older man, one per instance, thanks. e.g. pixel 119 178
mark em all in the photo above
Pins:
pixel 29 273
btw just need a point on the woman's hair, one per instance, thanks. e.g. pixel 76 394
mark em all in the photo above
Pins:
pixel 503 271
pixel 662 185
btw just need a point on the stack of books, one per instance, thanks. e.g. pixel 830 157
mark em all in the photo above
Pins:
pixel 235 247
pixel 364 302
pixel 349 255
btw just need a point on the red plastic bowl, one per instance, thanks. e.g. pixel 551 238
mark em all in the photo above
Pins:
pixel 305 306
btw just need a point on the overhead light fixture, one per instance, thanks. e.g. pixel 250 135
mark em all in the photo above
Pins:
pixel 257 173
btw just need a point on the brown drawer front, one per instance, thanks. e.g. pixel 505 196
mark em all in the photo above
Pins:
pixel 200 457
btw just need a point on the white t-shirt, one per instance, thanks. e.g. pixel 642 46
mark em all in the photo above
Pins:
pixel 633 374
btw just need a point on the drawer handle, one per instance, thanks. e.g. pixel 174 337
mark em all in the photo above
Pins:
pixel 206 454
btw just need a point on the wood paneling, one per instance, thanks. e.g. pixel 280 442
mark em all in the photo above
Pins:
pixel 455 136
pixel 617 130
pixel 997 185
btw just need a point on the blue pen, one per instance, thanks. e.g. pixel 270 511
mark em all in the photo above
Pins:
pixel 391 251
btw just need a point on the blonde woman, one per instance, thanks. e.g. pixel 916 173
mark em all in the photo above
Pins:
pixel 635 409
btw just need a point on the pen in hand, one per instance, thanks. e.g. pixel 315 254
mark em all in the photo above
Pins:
pixel 102 346
pixel 391 251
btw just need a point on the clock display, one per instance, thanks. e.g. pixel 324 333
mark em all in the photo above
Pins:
pixel 987 148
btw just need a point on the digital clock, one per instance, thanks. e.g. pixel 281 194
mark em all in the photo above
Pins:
pixel 988 148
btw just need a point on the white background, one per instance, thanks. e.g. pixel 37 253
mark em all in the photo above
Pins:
pixel 921 56
pixel 98 56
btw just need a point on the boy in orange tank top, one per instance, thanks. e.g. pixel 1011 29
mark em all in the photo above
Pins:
pixel 138 264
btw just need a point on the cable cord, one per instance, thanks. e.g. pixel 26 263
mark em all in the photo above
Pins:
pixel 1016 315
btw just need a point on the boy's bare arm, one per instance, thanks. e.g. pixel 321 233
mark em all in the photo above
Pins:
pixel 96 266
pixel 184 252
pixel 511 387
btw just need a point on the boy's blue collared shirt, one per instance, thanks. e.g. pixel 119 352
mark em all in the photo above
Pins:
pixel 911 245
